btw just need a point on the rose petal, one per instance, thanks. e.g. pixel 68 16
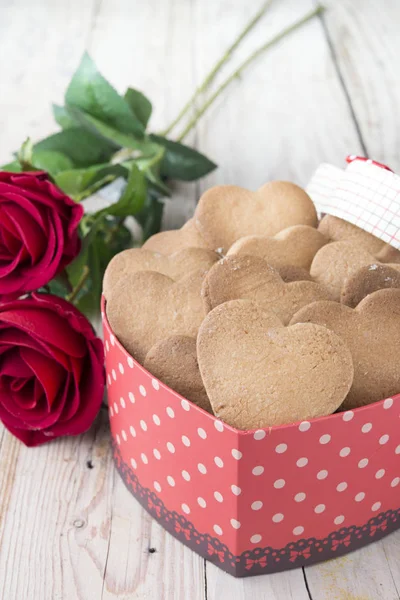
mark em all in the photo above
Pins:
pixel 12 365
pixel 32 235
pixel 91 396
pixel 49 373
pixel 75 318
pixel 13 281
pixel 6 224
pixel 13 413
pixel 76 368
pixel 22 394
pixel 29 438
pixel 50 262
pixel 15 407
pixel 71 405
pixel 45 325
pixel 44 222
pixel 15 197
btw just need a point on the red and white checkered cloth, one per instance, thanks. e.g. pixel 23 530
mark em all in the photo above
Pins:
pixel 366 194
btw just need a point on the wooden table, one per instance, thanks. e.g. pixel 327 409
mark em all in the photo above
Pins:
pixel 69 529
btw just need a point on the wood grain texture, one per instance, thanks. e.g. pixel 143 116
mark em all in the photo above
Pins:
pixel 149 45
pixel 68 527
pixel 361 575
pixel 284 119
pixel 279 586
pixel 143 560
pixel 54 539
pixel 366 46
pixel 41 43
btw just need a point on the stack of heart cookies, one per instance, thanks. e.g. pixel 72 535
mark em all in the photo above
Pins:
pixel 259 314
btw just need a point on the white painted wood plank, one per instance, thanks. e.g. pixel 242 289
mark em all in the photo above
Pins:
pixel 279 586
pixel 367 46
pixel 287 113
pixel 361 575
pixel 169 571
pixel 57 512
pixel 41 43
pixel 149 46
pixel 391 548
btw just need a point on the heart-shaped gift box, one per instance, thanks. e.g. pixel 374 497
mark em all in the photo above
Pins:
pixel 267 500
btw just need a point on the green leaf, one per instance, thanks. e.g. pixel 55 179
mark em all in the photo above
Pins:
pixel 88 299
pixel 80 183
pixel 81 146
pixel 51 161
pixel 112 135
pixel 59 286
pixel 139 105
pixel 62 117
pixel 90 225
pixel 156 183
pixel 110 237
pixel 132 198
pixel 12 167
pixel 121 240
pixel 151 162
pixel 150 217
pixel 182 162
pixel 74 181
pixel 92 93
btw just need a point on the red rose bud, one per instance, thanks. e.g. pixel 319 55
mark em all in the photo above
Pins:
pixel 51 369
pixel 38 232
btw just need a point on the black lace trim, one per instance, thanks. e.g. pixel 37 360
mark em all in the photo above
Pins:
pixel 259 560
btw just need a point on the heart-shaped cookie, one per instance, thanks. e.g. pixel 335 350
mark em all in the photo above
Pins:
pixel 367 280
pixel 388 254
pixel 258 373
pixel 290 273
pixel 335 262
pixel 167 242
pixel 296 245
pixel 372 332
pixel 147 307
pixel 338 230
pixel 251 278
pixel 174 361
pixel 177 265
pixel 226 213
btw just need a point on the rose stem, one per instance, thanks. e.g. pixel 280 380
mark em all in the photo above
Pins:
pixel 82 280
pixel 245 64
pixel 217 67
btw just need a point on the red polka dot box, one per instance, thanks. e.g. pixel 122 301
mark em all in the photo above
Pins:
pixel 258 501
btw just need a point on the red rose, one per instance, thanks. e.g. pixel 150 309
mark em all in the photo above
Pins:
pixel 51 369
pixel 38 232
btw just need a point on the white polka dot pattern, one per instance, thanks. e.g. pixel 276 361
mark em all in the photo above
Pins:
pixel 279 484
pixel 281 448
pixel 258 470
pixel 300 497
pixel 266 487
pixel 278 518
pixel 256 538
pixel 304 426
